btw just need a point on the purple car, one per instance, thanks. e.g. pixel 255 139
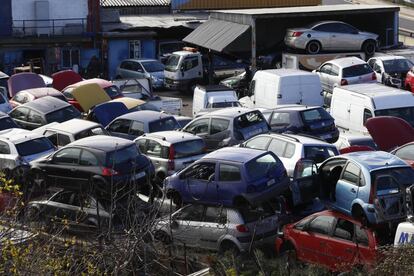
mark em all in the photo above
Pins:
pixel 231 177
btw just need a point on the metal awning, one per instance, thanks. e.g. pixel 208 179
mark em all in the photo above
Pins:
pixel 216 34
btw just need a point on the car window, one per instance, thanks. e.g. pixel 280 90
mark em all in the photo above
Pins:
pixel 229 173
pixel 192 213
pixel 371 63
pixel 199 126
pixel 4 148
pixel 218 125
pixel 201 171
pixel 153 66
pixel 120 125
pixel 63 197
pixel 216 215
pixel 344 229
pixel 361 236
pixel 34 146
pixel 326 69
pixel 163 125
pixel 91 132
pixel 63 115
pixel 322 225
pixel 142 145
pixel 351 174
pixel 137 128
pixel 189 63
pixel 188 148
pixel 319 153
pixel 406 152
pixel 386 185
pixel 327 27
pixel 6 123
pixel 334 70
pixel 345 29
pixel 20 113
pixel 316 114
pixel 87 158
pixel 280 119
pixel 356 70
pixel 67 156
pixel 34 117
pixel 121 156
pixel 377 67
pixel 249 119
pixel 261 166
pixel 258 143
pixel 282 148
pixel 62 139
pixel 153 148
pixel 367 115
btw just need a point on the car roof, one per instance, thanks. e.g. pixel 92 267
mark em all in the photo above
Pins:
pixel 74 126
pixel 46 104
pixel 388 57
pixel 374 160
pixel 346 61
pixel 102 142
pixel 239 155
pixel 294 107
pixel 229 112
pixel 283 72
pixel 145 116
pixel 42 92
pixel 172 136
pixel 297 138
pixel 18 135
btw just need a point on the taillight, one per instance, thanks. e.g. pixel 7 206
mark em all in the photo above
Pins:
pixel 296 34
pixel 374 76
pixel 242 228
pixel 109 172
pixel 171 157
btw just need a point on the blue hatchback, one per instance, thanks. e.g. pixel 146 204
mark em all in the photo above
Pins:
pixel 229 176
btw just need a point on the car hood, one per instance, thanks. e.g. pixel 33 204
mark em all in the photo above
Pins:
pixel 23 81
pixel 106 112
pixel 65 78
pixel 89 95
pixel 381 127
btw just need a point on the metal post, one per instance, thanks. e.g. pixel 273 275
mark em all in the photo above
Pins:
pixel 253 26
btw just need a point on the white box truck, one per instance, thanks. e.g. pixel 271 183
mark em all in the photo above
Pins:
pixel 353 105
pixel 210 97
pixel 274 87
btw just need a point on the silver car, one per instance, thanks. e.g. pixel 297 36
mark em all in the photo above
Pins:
pixel 218 228
pixel 170 151
pixel 331 36
pixel 140 68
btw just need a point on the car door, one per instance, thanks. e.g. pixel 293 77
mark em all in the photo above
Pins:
pixel 347 187
pixel 344 37
pixel 214 227
pixel 199 183
pixel 187 225
pixel 89 166
pixel 119 128
pixel 324 75
pixel 191 68
pixel 304 185
pixel 229 183
pixel 19 115
pixel 219 130
pixel 61 170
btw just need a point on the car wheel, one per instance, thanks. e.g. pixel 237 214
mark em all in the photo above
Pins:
pixel 313 47
pixel 228 246
pixel 162 237
pixel 369 47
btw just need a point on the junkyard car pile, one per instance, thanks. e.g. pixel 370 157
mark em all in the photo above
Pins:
pixel 317 180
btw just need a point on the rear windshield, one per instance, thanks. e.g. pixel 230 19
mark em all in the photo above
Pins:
pixel 249 119
pixel 153 66
pixel 319 153
pixel 312 115
pixel 356 70
pixel 34 146
pixel 122 156
pixel 163 125
pixel 404 176
pixel 397 65
pixel 63 115
pixel 406 113
pixel 188 148
pixel 91 132
pixel 113 91
pixel 7 123
pixel 363 142
pixel 223 105
pixel 260 166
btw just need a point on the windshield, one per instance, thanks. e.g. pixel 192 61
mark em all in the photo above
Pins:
pixel 356 70
pixel 317 114
pixel 249 119
pixel 188 148
pixel 122 156
pixel 387 179
pixel 113 91
pixel 7 123
pixel 319 153
pixel 397 65
pixel 163 125
pixel 34 146
pixel 172 63
pixel 153 66
pixel 259 167
pixel 63 115
pixel 223 105
pixel 406 113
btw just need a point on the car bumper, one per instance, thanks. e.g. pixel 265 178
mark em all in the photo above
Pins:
pixel 296 42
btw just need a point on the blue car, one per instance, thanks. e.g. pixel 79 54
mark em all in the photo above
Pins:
pixel 369 185
pixel 231 177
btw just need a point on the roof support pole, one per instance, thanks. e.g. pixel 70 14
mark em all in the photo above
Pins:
pixel 253 61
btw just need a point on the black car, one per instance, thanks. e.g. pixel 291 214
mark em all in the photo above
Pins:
pixel 6 122
pixel 104 165
pixel 43 111
pixel 300 119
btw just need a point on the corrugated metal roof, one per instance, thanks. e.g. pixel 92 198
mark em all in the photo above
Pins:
pixel 134 3
pixel 216 34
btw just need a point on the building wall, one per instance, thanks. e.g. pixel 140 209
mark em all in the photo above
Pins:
pixel 236 4
pixel 5 18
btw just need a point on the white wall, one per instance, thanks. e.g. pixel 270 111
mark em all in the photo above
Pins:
pixel 58 9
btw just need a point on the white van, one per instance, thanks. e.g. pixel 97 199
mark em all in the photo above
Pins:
pixel 271 88
pixel 353 105
pixel 211 97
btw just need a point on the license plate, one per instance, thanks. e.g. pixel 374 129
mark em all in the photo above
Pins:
pixel 139 175
pixel 271 182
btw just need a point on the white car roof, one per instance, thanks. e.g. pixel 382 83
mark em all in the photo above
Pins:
pixel 73 126
pixel 285 72
pixel 346 61
pixel 388 57
pixel 18 135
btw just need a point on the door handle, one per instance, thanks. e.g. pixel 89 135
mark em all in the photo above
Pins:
pixel 353 190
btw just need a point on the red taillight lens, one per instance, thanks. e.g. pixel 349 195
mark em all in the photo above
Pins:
pixel 344 82
pixel 296 34
pixel 242 228
pixel 171 157
pixel 374 76
pixel 108 172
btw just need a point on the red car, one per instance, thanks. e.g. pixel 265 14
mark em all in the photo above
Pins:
pixel 331 239
pixel 409 80
pixel 111 89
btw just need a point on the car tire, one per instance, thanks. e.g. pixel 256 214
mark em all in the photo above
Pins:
pixel 162 237
pixel 369 47
pixel 313 47
pixel 228 246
